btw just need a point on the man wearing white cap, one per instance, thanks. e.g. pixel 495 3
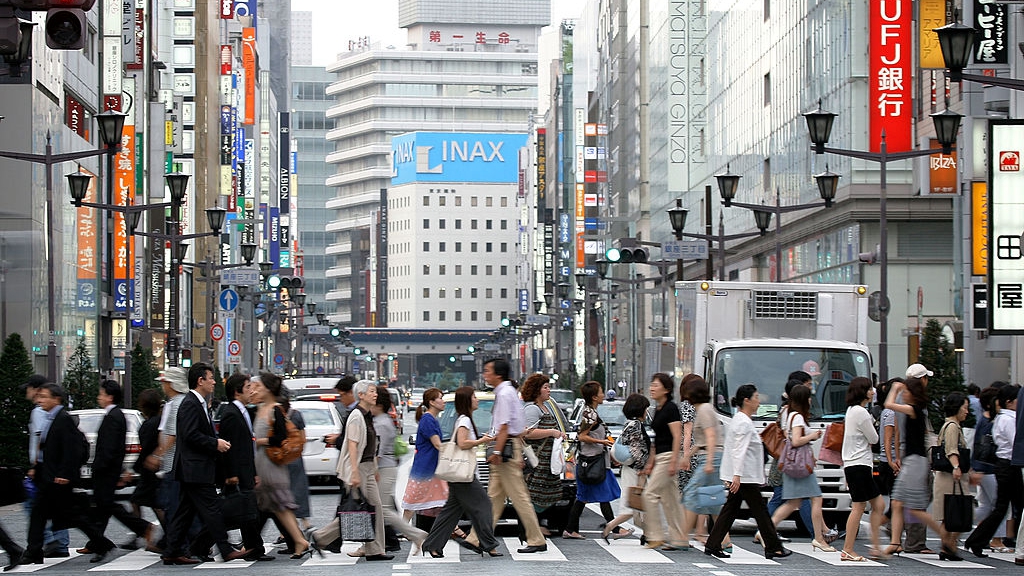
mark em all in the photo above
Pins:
pixel 175 385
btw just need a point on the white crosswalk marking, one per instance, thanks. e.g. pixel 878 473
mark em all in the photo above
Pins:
pixel 1004 556
pixel 628 551
pixel 832 558
pixel 552 555
pixel 330 559
pixel 740 556
pixel 47 563
pixel 933 560
pixel 136 560
pixel 451 555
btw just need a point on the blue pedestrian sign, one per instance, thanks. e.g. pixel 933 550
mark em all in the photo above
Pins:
pixel 228 300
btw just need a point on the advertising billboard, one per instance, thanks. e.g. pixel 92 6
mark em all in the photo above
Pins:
pixel 890 56
pixel 456 157
pixel 1005 222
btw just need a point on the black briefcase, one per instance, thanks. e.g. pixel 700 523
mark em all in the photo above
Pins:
pixel 238 507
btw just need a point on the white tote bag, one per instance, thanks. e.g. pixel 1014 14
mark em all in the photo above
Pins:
pixel 455 464
pixel 557 457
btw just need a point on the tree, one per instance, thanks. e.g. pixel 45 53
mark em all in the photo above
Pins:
pixel 597 374
pixel 144 373
pixel 81 382
pixel 938 356
pixel 15 368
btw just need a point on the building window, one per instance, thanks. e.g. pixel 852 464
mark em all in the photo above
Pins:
pixel 426 269
pixel 472 315
pixel 458 292
pixel 767 89
pixel 472 293
pixel 458 269
pixel 488 270
pixel 473 201
pixel 458 200
pixel 504 224
pixel 767 9
pixel 441 224
pixel 489 201
pixel 489 247
pixel 472 224
pixel 441 200
pixel 504 247
pixel 426 246
pixel 426 316
pixel 440 293
pixel 426 223
pixel 458 316
pixel 472 269
pixel 458 246
pixel 458 224
pixel 504 292
pixel 488 293
pixel 766 176
pixel 440 316
pixel 426 200
pixel 426 292
pixel 489 316
pixel 441 269
pixel 489 225
pixel 504 270
pixel 472 246
pixel 441 246
pixel 504 201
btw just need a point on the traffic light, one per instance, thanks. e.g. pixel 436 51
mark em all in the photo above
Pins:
pixel 65 23
pixel 471 349
pixel 286 282
pixel 357 351
pixel 186 358
pixel 451 359
pixel 638 254
pixel 335 332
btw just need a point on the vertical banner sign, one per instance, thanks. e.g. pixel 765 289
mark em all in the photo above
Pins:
pixel 249 197
pixel 1005 222
pixel 275 234
pixel 932 14
pixel 225 59
pixel 284 190
pixel 157 273
pixel 991 46
pixel 542 172
pixel 382 261
pixel 549 251
pixel 88 247
pixel 249 63
pixel 227 9
pixel 979 228
pixel 225 146
pixel 941 170
pixel 124 191
pixel 140 40
pixel 129 43
pixel 889 74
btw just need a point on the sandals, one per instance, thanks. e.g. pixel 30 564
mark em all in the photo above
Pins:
pixel 572 536
pixel 851 556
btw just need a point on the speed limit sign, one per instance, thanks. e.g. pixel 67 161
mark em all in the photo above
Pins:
pixel 234 348
pixel 217 332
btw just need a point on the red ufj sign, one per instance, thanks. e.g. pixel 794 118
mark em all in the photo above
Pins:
pixel 889 74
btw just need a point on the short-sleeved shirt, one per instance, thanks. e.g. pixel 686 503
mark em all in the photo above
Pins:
pixel 532 414
pixel 887 419
pixel 508 409
pixel 425 462
pixel 796 420
pixel 169 427
pixel 663 416
pixel 385 429
pixel 706 420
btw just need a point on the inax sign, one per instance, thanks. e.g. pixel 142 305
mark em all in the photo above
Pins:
pixel 455 157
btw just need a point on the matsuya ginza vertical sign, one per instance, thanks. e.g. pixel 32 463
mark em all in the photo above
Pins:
pixel 890 55
pixel 1005 224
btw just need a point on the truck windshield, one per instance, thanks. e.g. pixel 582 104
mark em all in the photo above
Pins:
pixel 768 368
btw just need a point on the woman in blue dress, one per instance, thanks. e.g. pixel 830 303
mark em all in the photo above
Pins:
pixel 425 493
pixel 594 441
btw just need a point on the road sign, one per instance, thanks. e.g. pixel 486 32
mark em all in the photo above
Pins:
pixel 234 348
pixel 228 299
pixel 345 349
pixel 319 369
pixel 355 365
pixel 217 332
pixel 318 329
pixel 278 359
pixel 234 359
pixel 685 250
pixel 240 276
pixel 538 319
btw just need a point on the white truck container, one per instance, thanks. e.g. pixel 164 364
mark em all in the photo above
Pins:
pixel 735 333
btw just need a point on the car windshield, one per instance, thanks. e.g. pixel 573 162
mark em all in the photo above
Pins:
pixel 611 413
pixel 768 368
pixel 481 417
pixel 563 396
pixel 317 416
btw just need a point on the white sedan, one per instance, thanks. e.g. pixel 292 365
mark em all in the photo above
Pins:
pixel 321 419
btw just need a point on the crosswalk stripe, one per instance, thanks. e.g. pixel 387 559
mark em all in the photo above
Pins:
pixel 136 560
pixel 933 560
pixel 47 563
pixel 832 558
pixel 552 555
pixel 628 551
pixel 739 556
pixel 1004 556
pixel 330 559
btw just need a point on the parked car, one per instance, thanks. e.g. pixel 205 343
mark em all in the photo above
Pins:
pixel 396 411
pixel 564 398
pixel 321 419
pixel 414 399
pixel 89 423
pixel 557 515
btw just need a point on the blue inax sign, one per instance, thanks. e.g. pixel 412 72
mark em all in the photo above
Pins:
pixel 455 157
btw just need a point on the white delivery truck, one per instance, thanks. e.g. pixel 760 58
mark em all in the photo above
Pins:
pixel 735 333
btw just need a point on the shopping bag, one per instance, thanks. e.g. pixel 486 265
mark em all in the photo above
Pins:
pixel 635 497
pixel 958 510
pixel 557 457
pixel 356 517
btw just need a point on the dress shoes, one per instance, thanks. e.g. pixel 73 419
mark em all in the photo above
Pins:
pixel 1018 561
pixel 204 558
pixel 84 551
pixel 180 561
pixel 332 548
pixel 99 557
pixel 533 549
pixel 291 551
pixel 14 558
pixel 236 555
pixel 379 557
pixel 55 553
pixel 259 558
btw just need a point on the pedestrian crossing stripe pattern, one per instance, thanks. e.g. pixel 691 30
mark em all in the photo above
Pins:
pixel 625 551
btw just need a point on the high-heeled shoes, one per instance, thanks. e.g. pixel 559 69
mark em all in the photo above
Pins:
pixel 781 553
pixel 946 553
pixel 308 551
pixel 606 533
pixel 721 554
pixel 434 553
pixel 977 551
pixel 815 544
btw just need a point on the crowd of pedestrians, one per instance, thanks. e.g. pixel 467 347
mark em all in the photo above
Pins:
pixel 684 473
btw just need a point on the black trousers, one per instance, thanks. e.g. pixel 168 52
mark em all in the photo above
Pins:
pixel 58 503
pixel 106 507
pixel 751 494
pixel 197 499
pixel 1009 490
pixel 469 498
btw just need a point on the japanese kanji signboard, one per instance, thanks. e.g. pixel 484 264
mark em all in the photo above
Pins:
pixel 890 55
pixel 1006 223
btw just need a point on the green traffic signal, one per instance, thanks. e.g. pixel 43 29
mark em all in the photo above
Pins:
pixel 357 351
pixel 613 255
pixel 471 349
pixel 335 332
pixel 451 359
pixel 505 322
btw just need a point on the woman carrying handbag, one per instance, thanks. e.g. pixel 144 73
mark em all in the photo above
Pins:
pixel 540 434
pixel 594 443
pixel 636 441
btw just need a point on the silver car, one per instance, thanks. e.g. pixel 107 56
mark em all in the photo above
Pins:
pixel 321 419
pixel 89 423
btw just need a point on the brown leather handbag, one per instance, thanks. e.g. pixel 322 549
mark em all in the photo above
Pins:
pixel 773 438
pixel 834 437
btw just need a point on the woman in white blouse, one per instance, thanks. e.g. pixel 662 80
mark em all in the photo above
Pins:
pixel 859 434
pixel 743 473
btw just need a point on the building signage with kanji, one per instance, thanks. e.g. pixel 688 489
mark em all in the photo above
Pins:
pixel 890 57
pixel 1006 223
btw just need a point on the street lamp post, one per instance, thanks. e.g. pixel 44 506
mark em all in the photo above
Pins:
pixel 111 125
pixel 819 126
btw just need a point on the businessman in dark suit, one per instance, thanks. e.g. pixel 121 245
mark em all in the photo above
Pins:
pixel 108 467
pixel 195 467
pixel 56 473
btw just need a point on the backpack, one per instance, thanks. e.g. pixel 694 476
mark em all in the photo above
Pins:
pixel 291 447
